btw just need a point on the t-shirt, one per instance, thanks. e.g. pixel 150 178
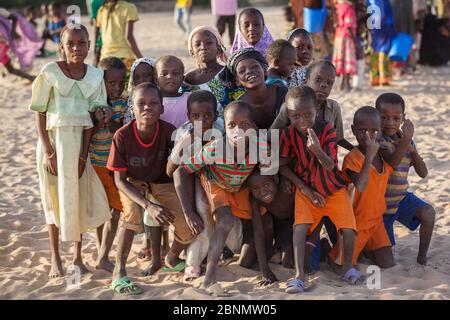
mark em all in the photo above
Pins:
pixel 183 3
pixel 142 161
pixel 398 180
pixel 102 138
pixel 370 205
pixel 211 162
pixel 113 27
pixel 175 109
pixel 224 7
pixel 294 144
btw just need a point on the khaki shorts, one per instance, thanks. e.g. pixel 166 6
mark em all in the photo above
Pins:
pixel 163 194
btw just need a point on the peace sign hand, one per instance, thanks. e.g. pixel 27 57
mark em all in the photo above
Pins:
pixel 372 145
pixel 313 142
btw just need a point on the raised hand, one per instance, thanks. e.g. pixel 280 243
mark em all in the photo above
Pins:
pixel 372 145
pixel 408 129
pixel 313 142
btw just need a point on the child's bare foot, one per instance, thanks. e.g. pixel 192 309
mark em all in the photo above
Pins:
pixel 82 268
pixel 105 264
pixel 56 269
pixel 153 268
pixel 422 260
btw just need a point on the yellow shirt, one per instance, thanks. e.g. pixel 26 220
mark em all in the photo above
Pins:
pixel 113 27
pixel 183 3
pixel 66 101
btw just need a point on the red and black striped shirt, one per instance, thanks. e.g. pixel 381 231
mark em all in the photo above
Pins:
pixel 294 144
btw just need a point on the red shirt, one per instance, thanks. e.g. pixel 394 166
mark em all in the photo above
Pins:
pixel 294 144
pixel 141 161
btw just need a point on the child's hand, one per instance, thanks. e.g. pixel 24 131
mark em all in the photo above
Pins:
pixel 107 111
pixel 408 129
pixel 81 166
pixel 372 146
pixel 316 198
pixel 267 279
pixel 51 164
pixel 195 223
pixel 99 116
pixel 162 215
pixel 286 185
pixel 313 142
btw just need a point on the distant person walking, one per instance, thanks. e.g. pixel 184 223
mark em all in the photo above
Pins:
pixel 225 12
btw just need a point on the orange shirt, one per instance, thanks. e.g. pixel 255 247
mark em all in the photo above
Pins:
pixel 370 205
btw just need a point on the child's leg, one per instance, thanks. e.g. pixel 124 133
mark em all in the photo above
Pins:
pixel 247 257
pixel 178 15
pixel 426 216
pixel 166 241
pixel 18 72
pixel 109 232
pixel 155 238
pixel 224 222
pixel 349 237
pixel 383 257
pixel 172 257
pixel 299 240
pixel 56 269
pixel 77 259
pixel 124 242
pixel 310 247
pixel 145 252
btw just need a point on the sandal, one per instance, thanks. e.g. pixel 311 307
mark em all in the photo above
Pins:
pixel 191 273
pixel 354 277
pixel 295 286
pixel 123 286
pixel 178 268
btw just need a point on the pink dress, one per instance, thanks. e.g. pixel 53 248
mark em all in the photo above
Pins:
pixel 344 56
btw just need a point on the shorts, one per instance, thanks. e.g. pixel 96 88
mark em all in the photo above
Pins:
pixel 406 215
pixel 238 202
pixel 370 239
pixel 338 208
pixel 107 179
pixel 160 193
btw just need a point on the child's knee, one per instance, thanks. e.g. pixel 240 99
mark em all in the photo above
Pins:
pixel 426 214
pixel 224 218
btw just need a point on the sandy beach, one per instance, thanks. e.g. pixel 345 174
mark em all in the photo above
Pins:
pixel 24 245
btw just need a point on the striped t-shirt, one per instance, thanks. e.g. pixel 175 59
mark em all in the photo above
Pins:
pixel 294 144
pixel 212 162
pixel 102 138
pixel 398 180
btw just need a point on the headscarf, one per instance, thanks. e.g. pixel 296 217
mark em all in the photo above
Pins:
pixel 240 42
pixel 299 30
pixel 222 55
pixel 129 116
pixel 228 74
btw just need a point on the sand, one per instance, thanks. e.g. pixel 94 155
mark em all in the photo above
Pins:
pixel 24 246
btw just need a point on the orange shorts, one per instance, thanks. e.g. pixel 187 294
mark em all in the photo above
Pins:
pixel 107 179
pixel 338 208
pixel 238 202
pixel 366 240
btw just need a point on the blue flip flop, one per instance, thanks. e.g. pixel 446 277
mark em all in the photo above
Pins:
pixel 354 277
pixel 295 286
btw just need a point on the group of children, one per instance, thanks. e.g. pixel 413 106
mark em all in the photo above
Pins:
pixel 183 150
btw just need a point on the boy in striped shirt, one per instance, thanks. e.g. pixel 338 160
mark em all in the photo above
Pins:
pixel 400 152
pixel 108 120
pixel 223 170
pixel 320 187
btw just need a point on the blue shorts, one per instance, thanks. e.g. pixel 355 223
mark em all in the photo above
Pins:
pixel 406 215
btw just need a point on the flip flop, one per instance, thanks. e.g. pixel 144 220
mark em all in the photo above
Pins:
pixel 354 277
pixel 295 286
pixel 216 290
pixel 178 268
pixel 123 286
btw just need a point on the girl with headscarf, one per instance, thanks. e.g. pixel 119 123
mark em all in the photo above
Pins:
pixel 142 70
pixel 206 46
pixel 251 32
pixel 247 68
pixel 302 41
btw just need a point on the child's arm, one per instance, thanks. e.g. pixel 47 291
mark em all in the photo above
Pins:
pixel 161 214
pixel 316 198
pixel 177 153
pixel 50 154
pixel 360 179
pixel 86 142
pixel 418 163
pixel 268 277
pixel 185 186
pixel 131 40
pixel 394 158
pixel 97 49
pixel 344 143
pixel 314 146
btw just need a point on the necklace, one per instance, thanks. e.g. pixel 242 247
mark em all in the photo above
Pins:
pixel 70 73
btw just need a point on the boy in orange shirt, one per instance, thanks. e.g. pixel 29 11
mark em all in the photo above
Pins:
pixel 367 170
